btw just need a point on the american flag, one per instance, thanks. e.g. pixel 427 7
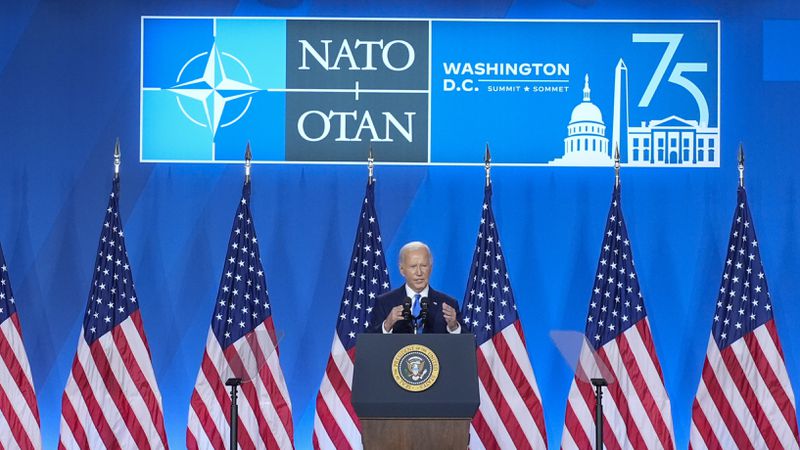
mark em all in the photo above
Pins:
pixel 19 414
pixel 744 399
pixel 111 399
pixel 335 423
pixel 241 343
pixel 510 413
pixel 636 410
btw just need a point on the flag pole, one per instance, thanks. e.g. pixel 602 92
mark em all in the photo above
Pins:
pixel 599 383
pixel 741 165
pixel 370 165
pixel 248 157
pixel 117 159
pixel 234 382
pixel 487 161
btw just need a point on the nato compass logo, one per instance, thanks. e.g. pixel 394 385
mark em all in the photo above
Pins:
pixel 207 89
pixel 214 89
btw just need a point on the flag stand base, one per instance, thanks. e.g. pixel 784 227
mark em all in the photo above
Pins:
pixel 598 384
pixel 233 383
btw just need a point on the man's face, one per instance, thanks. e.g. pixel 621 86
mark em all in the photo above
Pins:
pixel 416 268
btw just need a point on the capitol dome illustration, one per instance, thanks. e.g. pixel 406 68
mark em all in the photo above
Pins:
pixel 586 143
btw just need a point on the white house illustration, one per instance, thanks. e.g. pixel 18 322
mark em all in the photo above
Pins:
pixel 673 141
pixel 586 143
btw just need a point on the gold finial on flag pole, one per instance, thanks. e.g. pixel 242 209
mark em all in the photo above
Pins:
pixel 117 158
pixel 487 161
pixel 741 165
pixel 248 157
pixel 370 164
pixel 616 165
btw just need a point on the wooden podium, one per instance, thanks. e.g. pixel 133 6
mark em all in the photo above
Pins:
pixel 402 409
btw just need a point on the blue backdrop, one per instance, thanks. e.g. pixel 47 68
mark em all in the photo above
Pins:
pixel 69 84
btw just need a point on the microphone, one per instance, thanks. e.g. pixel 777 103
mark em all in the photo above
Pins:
pixel 423 313
pixel 407 308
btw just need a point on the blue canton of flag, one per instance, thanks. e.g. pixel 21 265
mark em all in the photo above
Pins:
pixel 367 276
pixel 112 297
pixel 489 304
pixel 242 300
pixel 7 304
pixel 744 303
pixel 617 303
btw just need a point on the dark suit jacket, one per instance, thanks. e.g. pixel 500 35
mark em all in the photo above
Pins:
pixel 435 323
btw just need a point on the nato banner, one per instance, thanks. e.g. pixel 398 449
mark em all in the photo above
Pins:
pixel 422 91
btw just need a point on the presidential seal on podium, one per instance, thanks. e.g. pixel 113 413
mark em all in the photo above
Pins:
pixel 415 367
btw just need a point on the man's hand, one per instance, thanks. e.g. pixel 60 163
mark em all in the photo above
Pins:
pixel 394 315
pixel 449 314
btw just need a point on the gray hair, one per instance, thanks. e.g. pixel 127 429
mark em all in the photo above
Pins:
pixel 414 245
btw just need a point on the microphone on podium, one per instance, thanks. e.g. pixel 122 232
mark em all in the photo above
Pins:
pixel 423 313
pixel 407 308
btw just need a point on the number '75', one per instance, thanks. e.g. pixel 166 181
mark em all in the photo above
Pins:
pixel 676 76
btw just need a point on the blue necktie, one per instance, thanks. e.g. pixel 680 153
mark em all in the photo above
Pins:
pixel 415 309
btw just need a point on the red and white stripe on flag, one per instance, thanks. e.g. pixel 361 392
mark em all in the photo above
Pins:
pixel 745 399
pixel 265 411
pixel 336 425
pixel 111 399
pixel 510 414
pixel 19 414
pixel 636 408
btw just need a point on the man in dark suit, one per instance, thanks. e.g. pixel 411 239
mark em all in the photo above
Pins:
pixel 416 264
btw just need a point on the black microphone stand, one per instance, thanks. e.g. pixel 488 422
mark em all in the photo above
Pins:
pixel 407 314
pixel 233 383
pixel 423 313
pixel 598 384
